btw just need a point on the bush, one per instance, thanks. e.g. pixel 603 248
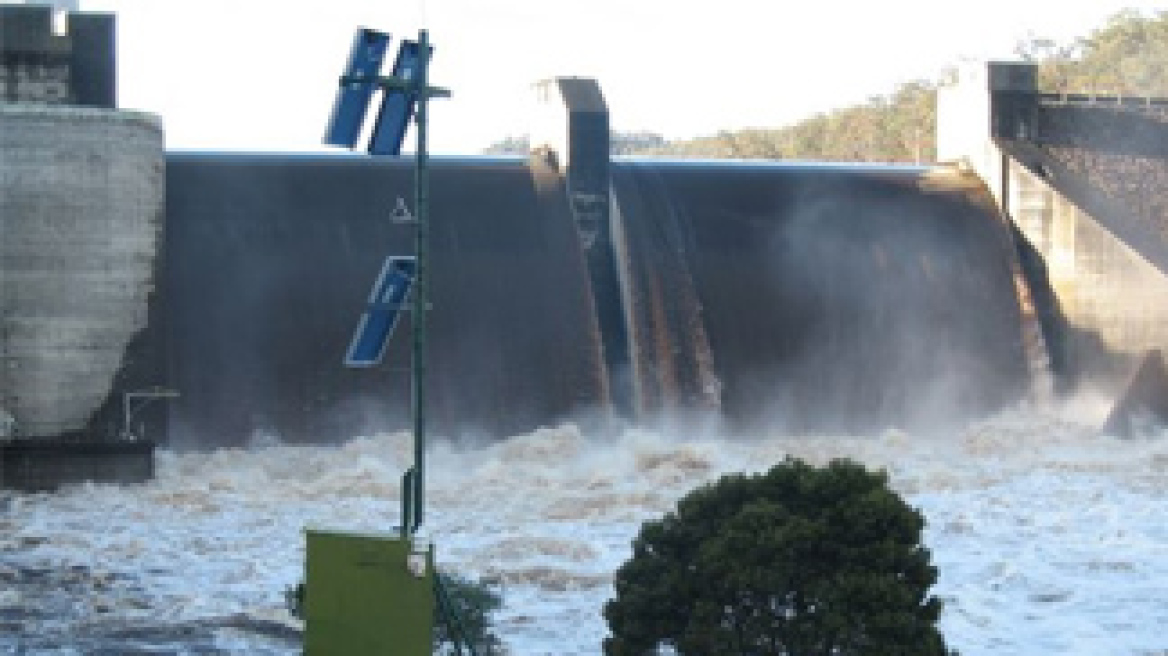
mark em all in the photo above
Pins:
pixel 799 560
pixel 473 602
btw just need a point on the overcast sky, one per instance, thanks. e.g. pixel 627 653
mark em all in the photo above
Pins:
pixel 261 74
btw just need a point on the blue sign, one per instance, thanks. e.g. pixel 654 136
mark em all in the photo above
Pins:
pixel 397 107
pixel 385 303
pixel 357 86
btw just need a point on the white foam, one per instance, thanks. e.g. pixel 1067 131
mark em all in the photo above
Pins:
pixel 1048 539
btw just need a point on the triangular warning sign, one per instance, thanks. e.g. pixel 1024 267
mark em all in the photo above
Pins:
pixel 401 212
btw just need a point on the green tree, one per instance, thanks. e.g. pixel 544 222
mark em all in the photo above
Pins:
pixel 799 560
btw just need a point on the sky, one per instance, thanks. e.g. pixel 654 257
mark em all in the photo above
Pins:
pixel 261 74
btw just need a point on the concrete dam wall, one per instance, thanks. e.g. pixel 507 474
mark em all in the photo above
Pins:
pixel 818 297
pixel 1087 191
pixel 81 201
pixel 1082 178
pixel 270 260
pixel 811 297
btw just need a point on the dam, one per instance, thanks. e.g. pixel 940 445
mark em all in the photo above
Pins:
pixel 823 298
pixel 772 293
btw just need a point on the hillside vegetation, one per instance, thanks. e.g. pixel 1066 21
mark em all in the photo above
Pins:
pixel 1128 55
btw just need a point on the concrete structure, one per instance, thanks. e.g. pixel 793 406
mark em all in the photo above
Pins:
pixel 43 465
pixel 269 259
pixel 61 59
pixel 570 139
pixel 815 297
pixel 34 59
pixel 818 297
pixel 80 220
pixel 81 198
pixel 1082 177
pixel 572 124
pixel 811 297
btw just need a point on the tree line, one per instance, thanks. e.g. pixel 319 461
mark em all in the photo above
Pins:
pixel 1127 56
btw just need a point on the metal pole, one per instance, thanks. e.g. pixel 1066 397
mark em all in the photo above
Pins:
pixel 421 236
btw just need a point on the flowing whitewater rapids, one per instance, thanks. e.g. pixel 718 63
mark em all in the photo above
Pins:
pixel 1049 540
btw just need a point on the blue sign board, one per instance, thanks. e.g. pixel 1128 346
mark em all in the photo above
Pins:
pixel 385 303
pixel 344 127
pixel 397 108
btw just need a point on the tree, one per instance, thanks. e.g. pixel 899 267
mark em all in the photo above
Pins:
pixel 1127 56
pixel 899 127
pixel 799 560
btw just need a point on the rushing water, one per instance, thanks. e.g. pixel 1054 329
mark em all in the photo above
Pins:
pixel 1048 538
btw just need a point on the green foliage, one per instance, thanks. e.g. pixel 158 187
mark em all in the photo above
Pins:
pixel 621 143
pixel 895 128
pixel 799 560
pixel 1127 56
pixel 474 602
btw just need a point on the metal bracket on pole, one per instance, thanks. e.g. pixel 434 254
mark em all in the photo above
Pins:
pixel 395 84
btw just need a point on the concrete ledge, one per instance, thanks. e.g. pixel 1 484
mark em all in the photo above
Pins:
pixel 26 111
pixel 43 465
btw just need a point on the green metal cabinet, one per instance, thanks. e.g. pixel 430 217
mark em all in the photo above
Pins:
pixel 362 599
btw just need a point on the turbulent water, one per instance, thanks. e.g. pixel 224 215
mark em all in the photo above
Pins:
pixel 1049 540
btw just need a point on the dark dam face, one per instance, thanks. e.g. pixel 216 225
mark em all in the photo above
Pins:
pixel 809 297
pixel 817 297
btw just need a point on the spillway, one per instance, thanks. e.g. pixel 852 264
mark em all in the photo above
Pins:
pixel 271 259
pixel 817 296
pixel 807 296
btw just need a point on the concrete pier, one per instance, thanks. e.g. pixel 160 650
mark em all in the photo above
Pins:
pixel 81 198
pixel 1082 178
